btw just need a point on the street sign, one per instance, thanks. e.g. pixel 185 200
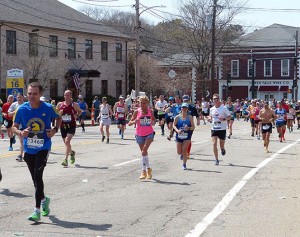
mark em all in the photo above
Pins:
pixel 14 82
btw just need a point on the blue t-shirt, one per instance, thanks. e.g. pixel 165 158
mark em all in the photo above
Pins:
pixel 82 106
pixel 96 104
pixel 39 120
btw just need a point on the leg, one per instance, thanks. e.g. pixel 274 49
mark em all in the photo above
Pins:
pixel 215 148
pixel 185 146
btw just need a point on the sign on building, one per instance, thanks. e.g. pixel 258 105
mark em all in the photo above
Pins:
pixel 14 82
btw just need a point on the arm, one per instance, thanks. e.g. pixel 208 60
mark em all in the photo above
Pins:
pixel 192 127
pixel 78 110
pixel 133 118
pixel 174 125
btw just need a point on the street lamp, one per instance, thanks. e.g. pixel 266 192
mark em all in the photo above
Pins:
pixel 137 44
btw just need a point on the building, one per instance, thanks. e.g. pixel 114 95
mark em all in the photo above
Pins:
pixel 272 51
pixel 52 42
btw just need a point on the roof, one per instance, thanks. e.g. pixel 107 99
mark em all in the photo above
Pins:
pixel 178 60
pixel 275 35
pixel 52 14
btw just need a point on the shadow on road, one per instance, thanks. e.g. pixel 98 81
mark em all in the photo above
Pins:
pixel 8 193
pixel 206 171
pixel 170 183
pixel 71 225
pixel 90 167
pixel 241 166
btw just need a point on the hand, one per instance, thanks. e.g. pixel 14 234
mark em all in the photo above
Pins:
pixel 50 132
pixel 25 132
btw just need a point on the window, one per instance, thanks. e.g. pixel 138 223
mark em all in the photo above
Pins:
pixel 119 52
pixel 104 87
pixel 285 66
pixel 71 48
pixel 234 68
pixel 104 50
pixel 88 49
pixel 268 68
pixel 33 45
pixel 11 47
pixel 118 88
pixel 89 88
pixel 250 68
pixel 53 88
pixel 53 46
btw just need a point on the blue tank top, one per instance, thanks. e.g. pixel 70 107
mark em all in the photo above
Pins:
pixel 82 106
pixel 186 135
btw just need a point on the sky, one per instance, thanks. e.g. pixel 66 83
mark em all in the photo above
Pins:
pixel 266 12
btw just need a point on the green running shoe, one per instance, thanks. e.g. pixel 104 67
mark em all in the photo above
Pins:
pixel 45 207
pixel 65 163
pixel 72 157
pixel 35 216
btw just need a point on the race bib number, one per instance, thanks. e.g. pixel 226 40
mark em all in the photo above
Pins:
pixel 145 121
pixel 120 110
pixel 170 114
pixel 35 142
pixel 66 118
pixel 183 135
pixel 217 125
pixel 104 116
pixel 120 115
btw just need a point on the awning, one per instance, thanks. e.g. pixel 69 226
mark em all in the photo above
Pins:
pixel 84 73
pixel 255 88
pixel 268 88
pixel 284 88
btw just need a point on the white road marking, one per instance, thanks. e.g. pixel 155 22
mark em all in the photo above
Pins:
pixel 200 142
pixel 221 206
pixel 127 162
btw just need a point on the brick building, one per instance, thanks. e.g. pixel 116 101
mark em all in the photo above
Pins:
pixel 272 50
pixel 51 42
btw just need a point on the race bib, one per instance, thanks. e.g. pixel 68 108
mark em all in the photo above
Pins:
pixel 145 121
pixel 35 142
pixel 120 110
pixel 217 125
pixel 120 115
pixel 183 135
pixel 105 116
pixel 170 114
pixel 66 118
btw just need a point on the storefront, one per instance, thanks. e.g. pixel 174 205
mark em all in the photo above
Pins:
pixel 264 89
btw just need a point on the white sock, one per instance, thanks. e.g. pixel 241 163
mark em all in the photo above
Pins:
pixel 144 163
pixel 37 209
pixel 147 162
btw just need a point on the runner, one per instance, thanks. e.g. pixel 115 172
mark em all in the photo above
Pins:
pixel 257 122
pixel 69 112
pixel 205 109
pixel 11 112
pixel 219 115
pixel 290 117
pixel 95 106
pixel 84 107
pixel 36 117
pixel 183 126
pixel 8 121
pixel 161 105
pixel 266 115
pixel 251 110
pixel 170 111
pixel 192 111
pixel 144 119
pixel 105 118
pixel 120 110
pixel 297 110
pixel 280 121
pixel 232 111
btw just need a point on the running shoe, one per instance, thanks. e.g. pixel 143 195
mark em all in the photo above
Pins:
pixel 169 138
pixel 223 152
pixel 122 136
pixel 45 207
pixel 217 162
pixel 184 166
pixel 10 148
pixel 143 174
pixel 72 160
pixel 163 133
pixel 35 216
pixel 65 163
pixel 103 138
pixel 19 158
pixel 149 173
pixel 228 136
pixel 107 140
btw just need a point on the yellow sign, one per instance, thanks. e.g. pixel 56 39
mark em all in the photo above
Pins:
pixel 14 83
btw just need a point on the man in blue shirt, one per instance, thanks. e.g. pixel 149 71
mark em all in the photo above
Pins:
pixel 36 117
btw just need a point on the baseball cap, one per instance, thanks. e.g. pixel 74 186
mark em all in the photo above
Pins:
pixel 121 97
pixel 186 105
pixel 185 97
pixel 171 98
pixel 80 97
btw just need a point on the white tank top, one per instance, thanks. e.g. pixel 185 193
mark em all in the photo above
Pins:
pixel 104 111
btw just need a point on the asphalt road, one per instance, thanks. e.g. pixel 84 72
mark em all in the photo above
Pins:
pixel 250 193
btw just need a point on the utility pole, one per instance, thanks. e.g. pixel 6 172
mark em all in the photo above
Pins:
pixel 253 76
pixel 295 80
pixel 137 48
pixel 213 46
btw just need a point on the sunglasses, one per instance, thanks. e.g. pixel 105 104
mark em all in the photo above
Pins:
pixel 216 98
